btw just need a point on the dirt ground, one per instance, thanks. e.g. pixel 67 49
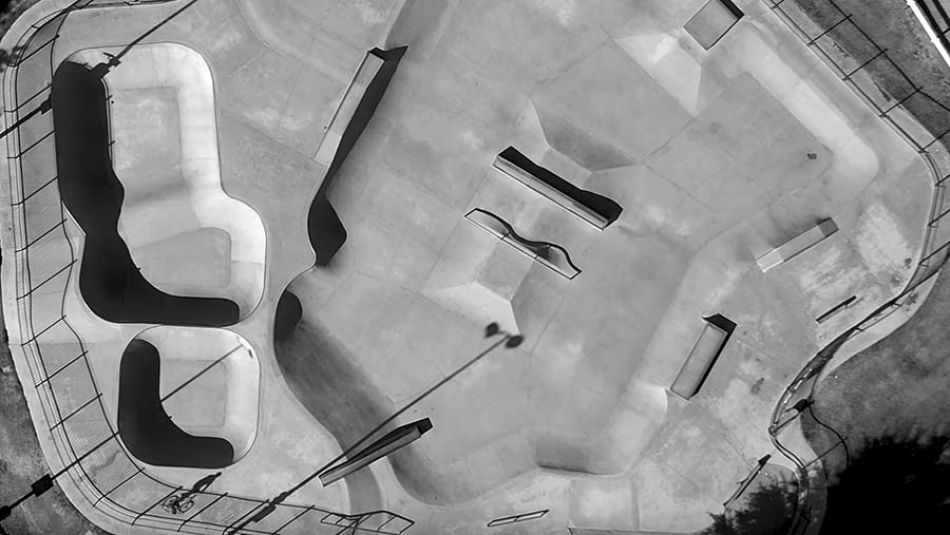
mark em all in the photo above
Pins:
pixel 21 463
pixel 892 26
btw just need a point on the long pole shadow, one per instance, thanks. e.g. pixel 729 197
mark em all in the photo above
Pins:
pixel 509 341
pixel 117 58
pixel 12 59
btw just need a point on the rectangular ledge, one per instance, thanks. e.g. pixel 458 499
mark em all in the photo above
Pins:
pixel 797 245
pixel 392 441
pixel 505 520
pixel 713 21
pixel 483 220
pixel 353 95
pixel 712 340
pixel 538 184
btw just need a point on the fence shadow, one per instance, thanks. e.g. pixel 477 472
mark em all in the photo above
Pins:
pixel 87 448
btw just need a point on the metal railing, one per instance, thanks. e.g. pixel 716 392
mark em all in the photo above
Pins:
pixel 87 447
pixel 864 66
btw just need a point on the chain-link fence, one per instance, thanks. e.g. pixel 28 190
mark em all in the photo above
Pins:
pixel 871 73
pixel 87 447
pixel 867 68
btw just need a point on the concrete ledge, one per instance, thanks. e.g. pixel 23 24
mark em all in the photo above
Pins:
pixel 701 358
pixel 398 438
pixel 330 144
pixel 595 209
pixel 797 245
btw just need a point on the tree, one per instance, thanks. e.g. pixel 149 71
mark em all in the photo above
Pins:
pixel 894 484
pixel 768 510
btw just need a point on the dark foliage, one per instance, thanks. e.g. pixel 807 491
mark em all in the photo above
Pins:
pixel 768 511
pixel 10 10
pixel 893 485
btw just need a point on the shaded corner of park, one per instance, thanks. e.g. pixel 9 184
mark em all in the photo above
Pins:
pixel 895 483
pixel 880 424
pixel 895 387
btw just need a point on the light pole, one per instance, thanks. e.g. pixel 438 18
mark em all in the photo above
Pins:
pixel 509 340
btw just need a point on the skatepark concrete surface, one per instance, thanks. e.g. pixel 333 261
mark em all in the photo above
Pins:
pixel 187 235
pixel 716 157
pixel 211 383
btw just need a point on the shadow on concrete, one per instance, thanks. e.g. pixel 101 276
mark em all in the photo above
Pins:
pixel 606 208
pixel 320 372
pixel 109 280
pixel 289 312
pixel 144 426
pixel 325 229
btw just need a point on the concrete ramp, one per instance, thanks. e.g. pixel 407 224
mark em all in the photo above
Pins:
pixel 481 303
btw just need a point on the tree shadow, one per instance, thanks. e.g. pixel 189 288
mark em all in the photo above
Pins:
pixel 897 483
pixel 10 57
pixel 894 484
pixel 767 510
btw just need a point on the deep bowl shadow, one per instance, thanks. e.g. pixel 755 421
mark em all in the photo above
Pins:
pixel 109 281
pixel 144 426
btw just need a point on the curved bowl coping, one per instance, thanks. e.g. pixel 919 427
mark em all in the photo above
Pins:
pixel 242 372
pixel 184 70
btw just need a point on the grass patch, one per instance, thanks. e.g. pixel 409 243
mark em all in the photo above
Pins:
pixel 896 386
pixel 22 462
pixel 888 25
